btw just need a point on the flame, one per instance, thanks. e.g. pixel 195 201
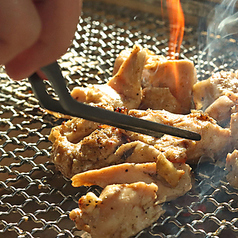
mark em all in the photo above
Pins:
pixel 176 19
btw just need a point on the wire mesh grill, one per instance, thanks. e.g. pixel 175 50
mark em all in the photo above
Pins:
pixel 36 199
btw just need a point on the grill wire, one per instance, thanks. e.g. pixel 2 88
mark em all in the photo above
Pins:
pixel 36 199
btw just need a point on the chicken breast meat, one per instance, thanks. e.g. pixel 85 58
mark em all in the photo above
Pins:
pixel 146 172
pixel 107 145
pixel 217 95
pixel 232 168
pixel 221 110
pixel 168 82
pixel 125 205
pixel 140 172
pixel 123 89
pixel 234 130
pixel 184 150
pixel 207 91
pixel 91 152
pixel 160 98
pixel 120 211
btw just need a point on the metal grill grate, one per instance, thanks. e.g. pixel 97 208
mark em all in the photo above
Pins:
pixel 36 199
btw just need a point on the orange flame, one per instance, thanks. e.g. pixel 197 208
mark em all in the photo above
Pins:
pixel 176 19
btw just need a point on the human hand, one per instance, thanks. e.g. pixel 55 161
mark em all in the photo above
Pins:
pixel 34 33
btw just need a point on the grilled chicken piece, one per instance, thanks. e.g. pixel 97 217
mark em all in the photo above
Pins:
pixel 135 152
pixel 159 98
pixel 80 145
pixel 120 211
pixel 107 145
pixel 127 81
pixel 124 89
pixel 168 171
pixel 74 130
pixel 89 153
pixel 178 76
pixel 131 173
pixel 104 146
pixel 139 152
pixel 232 168
pixel 98 95
pixel 232 158
pixel 221 110
pixel 234 130
pixel 207 91
pixel 181 150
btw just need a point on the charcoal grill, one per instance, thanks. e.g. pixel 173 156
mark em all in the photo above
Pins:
pixel 35 198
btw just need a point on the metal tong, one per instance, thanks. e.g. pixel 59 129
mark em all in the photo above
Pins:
pixel 69 106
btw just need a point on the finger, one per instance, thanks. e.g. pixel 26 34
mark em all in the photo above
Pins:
pixel 19 27
pixel 59 21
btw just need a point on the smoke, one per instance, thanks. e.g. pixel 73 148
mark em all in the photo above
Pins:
pixel 221 47
pixel 209 175
pixel 218 51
